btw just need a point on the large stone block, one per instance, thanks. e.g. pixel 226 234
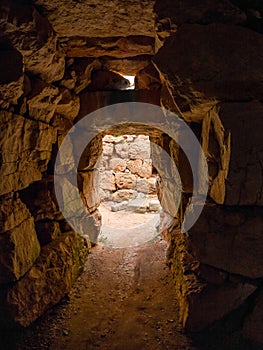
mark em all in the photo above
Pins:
pixel 204 294
pixel 220 71
pixel 19 246
pixel 117 164
pixel 230 239
pixel 25 147
pixel 123 195
pixel 140 149
pixel 232 142
pixel 40 49
pixel 51 277
pixel 125 180
pixel 107 181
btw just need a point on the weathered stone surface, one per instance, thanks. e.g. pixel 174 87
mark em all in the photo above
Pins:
pixel 134 165
pixel 142 185
pixel 125 180
pixel 117 164
pixel 19 246
pixel 46 282
pixel 169 195
pixel 140 149
pixel 230 239
pixel 123 33
pixel 51 100
pixel 201 302
pixel 123 195
pixel 141 168
pixel 138 204
pixel 108 149
pixel 90 189
pixel 107 181
pixel 154 205
pixel 253 326
pixel 119 206
pixel 91 153
pixel 32 35
pixel 122 149
pixel 214 74
pixel 232 143
pixel 26 147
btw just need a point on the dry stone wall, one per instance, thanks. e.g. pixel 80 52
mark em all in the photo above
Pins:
pixel 126 170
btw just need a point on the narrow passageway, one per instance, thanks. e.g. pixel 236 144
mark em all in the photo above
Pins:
pixel 123 300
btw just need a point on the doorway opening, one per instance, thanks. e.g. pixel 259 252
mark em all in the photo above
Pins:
pixel 127 187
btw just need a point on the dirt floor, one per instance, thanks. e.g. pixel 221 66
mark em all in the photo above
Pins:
pixel 124 300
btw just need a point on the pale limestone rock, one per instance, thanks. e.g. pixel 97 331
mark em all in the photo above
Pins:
pixel 44 285
pixel 125 180
pixel 142 185
pixel 26 147
pixel 119 206
pixel 154 205
pixel 108 149
pixel 107 181
pixel 134 165
pixel 123 195
pixel 140 149
pixel 146 169
pixel 122 150
pixel 117 164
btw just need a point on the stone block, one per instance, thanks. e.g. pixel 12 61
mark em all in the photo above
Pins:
pixel 140 149
pixel 123 195
pixel 107 181
pixel 230 239
pixel 125 180
pixel 122 150
pixel 119 206
pixel 45 284
pixel 117 164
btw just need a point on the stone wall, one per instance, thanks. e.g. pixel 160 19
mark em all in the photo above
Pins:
pixel 202 62
pixel 126 170
pixel 215 82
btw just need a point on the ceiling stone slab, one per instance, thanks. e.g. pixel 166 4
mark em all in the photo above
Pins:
pixel 97 28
